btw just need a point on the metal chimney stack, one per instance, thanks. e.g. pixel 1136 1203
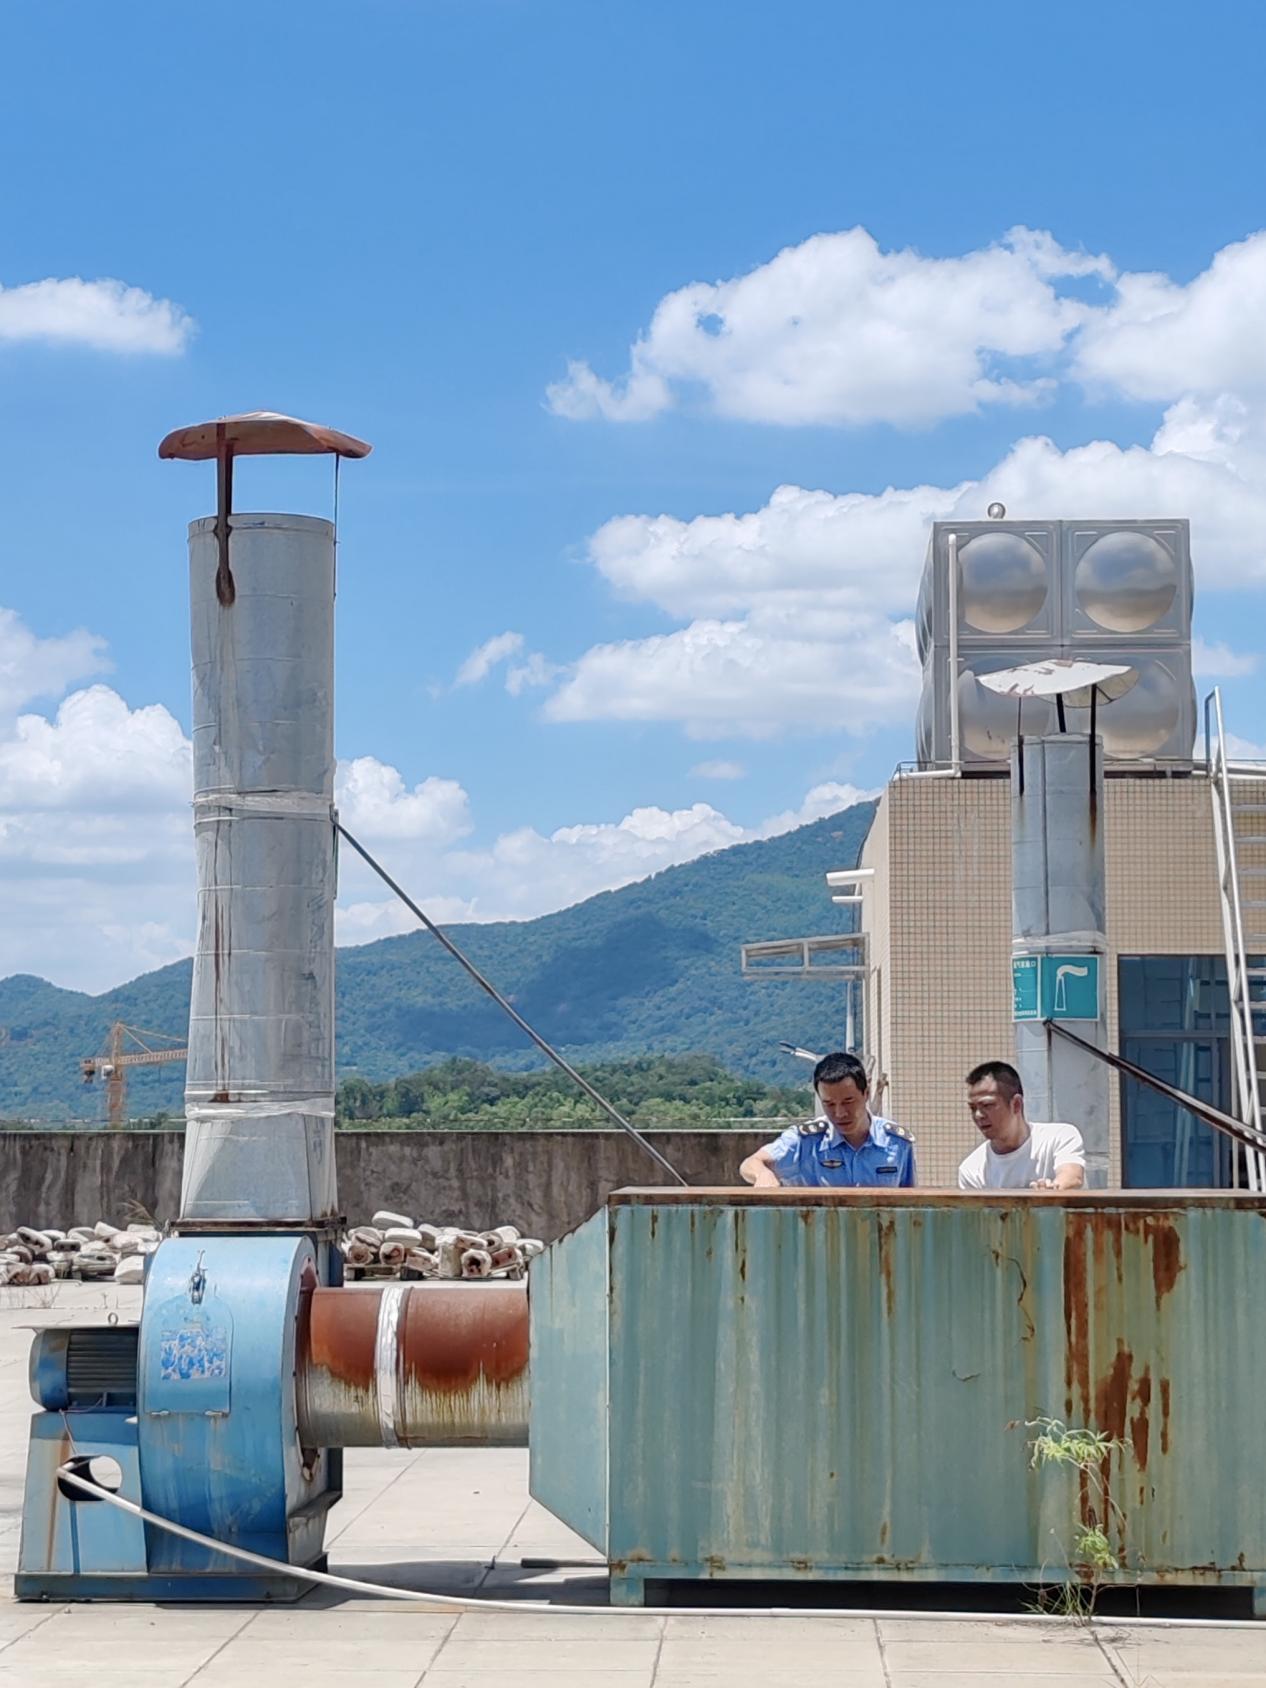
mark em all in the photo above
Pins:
pixel 259 1101
pixel 1059 924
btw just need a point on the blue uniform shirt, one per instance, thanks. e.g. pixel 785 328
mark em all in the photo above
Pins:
pixel 811 1156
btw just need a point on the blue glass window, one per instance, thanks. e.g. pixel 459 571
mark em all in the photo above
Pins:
pixel 1174 1015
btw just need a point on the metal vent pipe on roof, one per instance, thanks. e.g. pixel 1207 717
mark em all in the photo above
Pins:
pixel 1058 906
pixel 259 1101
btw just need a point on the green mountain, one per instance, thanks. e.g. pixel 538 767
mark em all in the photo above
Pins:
pixel 651 968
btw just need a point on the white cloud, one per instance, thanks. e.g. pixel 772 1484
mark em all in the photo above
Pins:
pixel 522 872
pixel 373 799
pixel 484 658
pixel 1237 749
pixel 527 873
pixel 864 550
pixel 366 922
pixel 837 331
pixel 96 841
pixel 96 846
pixel 149 944
pixel 96 859
pixel 90 928
pixel 795 615
pixel 535 671
pixel 1157 339
pixel 1220 662
pixel 106 315
pixel 93 745
pixel 719 771
pixel 821 800
pixel 754 677
pixel 584 395
pixel 1225 500
pixel 31 667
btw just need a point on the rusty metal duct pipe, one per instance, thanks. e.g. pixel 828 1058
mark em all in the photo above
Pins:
pixel 414 1366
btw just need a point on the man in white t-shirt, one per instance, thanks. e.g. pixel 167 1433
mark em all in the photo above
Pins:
pixel 1016 1155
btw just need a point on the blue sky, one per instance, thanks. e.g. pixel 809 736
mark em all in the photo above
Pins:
pixel 409 220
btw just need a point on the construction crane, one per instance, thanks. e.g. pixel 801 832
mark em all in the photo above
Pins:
pixel 113 1063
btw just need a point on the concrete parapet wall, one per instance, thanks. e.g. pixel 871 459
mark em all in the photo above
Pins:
pixel 545 1182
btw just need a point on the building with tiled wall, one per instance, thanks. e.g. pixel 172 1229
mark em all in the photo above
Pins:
pixel 937 914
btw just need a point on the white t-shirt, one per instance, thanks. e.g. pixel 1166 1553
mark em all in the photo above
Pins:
pixel 1048 1147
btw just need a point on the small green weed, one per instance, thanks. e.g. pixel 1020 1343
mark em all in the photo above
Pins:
pixel 1091 1557
pixel 1058 1444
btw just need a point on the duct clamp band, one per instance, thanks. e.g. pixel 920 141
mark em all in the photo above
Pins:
pixel 210 806
pixel 387 1361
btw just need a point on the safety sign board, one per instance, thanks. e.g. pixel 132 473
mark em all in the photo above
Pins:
pixel 1055 987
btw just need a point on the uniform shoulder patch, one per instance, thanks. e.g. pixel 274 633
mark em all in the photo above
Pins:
pixel 895 1130
pixel 812 1127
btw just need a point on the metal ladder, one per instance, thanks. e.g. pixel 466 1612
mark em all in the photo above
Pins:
pixel 1239 829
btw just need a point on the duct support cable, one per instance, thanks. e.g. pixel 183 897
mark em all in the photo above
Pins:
pixel 486 985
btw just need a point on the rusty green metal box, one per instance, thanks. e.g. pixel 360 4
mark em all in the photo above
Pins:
pixel 842 1385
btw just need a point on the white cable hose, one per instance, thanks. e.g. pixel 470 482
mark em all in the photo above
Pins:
pixel 475 1603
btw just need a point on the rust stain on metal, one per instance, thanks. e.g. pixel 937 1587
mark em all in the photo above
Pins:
pixel 452 1338
pixel 1094 1257
pixel 1112 1396
pixel 1085 1504
pixel 341 1331
pixel 1140 1424
pixel 1076 1317
pixel 1164 1402
pixel 1167 1260
pixel 1073 1201
pixel 884 1230
pixel 1030 1328
pixel 65 1452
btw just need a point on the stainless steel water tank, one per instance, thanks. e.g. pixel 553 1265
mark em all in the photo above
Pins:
pixel 1120 591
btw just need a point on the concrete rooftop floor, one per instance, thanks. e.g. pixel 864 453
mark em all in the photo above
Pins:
pixel 460 1522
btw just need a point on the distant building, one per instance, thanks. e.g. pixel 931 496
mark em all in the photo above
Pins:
pixel 936 909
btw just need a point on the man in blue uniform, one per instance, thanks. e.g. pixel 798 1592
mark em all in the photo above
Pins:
pixel 845 1146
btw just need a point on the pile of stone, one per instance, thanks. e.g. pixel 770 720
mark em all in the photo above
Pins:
pixel 38 1254
pixel 393 1245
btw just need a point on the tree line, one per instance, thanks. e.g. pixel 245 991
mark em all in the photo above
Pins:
pixel 670 1090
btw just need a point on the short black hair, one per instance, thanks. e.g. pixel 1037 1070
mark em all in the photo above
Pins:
pixel 833 1069
pixel 1002 1073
